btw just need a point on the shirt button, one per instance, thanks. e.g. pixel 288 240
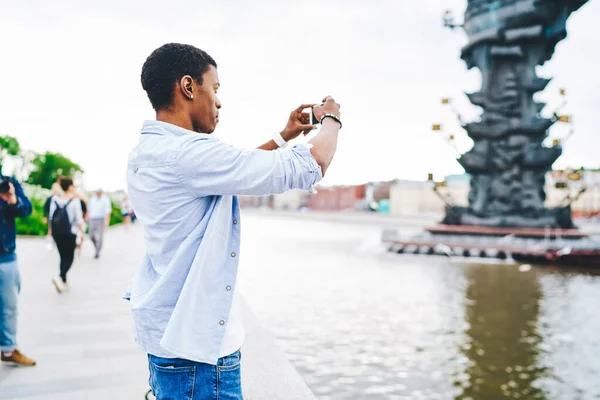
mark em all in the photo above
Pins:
pixel 235 221
pixel 221 322
pixel 228 287
pixel 232 254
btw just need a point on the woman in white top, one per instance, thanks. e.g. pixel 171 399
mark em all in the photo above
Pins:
pixel 66 222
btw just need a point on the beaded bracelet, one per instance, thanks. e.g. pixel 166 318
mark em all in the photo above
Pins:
pixel 332 116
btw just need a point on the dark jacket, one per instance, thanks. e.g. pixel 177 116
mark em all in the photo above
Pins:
pixel 8 230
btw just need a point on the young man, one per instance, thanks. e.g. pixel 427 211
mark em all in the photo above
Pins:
pixel 13 203
pixel 99 209
pixel 182 183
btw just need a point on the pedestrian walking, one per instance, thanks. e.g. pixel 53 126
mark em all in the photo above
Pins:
pixel 99 209
pixel 56 191
pixel 66 222
pixel 126 211
pixel 81 234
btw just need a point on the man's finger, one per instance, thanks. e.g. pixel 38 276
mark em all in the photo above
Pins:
pixel 306 132
pixel 307 128
pixel 304 106
pixel 327 98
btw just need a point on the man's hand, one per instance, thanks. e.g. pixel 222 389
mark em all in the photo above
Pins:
pixel 10 197
pixel 325 143
pixel 299 122
pixel 329 107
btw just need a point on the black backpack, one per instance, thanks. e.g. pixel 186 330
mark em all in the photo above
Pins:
pixel 61 224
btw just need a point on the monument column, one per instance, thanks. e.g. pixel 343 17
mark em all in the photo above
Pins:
pixel 508 163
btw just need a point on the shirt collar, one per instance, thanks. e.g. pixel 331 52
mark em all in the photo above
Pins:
pixel 164 128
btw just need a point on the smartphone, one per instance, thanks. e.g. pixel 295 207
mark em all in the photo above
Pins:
pixel 313 119
pixel 4 185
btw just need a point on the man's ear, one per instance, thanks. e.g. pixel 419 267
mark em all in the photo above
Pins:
pixel 186 86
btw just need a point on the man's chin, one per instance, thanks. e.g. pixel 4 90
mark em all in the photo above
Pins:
pixel 212 129
pixel 207 131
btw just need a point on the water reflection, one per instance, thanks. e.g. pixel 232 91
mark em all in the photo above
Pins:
pixel 570 325
pixel 360 323
pixel 503 346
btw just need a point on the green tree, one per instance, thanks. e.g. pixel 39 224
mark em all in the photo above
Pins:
pixel 48 167
pixel 33 225
pixel 9 146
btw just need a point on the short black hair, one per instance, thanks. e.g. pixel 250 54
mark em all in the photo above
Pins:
pixel 65 183
pixel 167 65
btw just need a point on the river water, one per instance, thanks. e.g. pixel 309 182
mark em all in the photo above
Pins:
pixel 361 323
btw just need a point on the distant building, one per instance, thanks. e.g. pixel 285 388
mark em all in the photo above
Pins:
pixel 377 191
pixel 255 201
pixel 416 197
pixel 338 198
pixel 292 200
pixel 378 195
pixel 400 197
pixel 560 190
pixel 408 197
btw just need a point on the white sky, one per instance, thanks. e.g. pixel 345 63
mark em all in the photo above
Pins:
pixel 70 77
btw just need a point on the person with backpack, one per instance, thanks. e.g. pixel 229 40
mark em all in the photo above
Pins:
pixel 66 221
pixel 56 191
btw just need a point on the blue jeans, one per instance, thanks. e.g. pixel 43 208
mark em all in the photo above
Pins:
pixel 177 379
pixel 10 286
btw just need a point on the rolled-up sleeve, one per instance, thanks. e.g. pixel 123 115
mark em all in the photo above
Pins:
pixel 210 167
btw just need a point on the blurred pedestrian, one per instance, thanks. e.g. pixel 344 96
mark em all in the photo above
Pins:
pixel 99 209
pixel 66 222
pixel 84 201
pixel 56 191
pixel 81 234
pixel 126 211
pixel 13 204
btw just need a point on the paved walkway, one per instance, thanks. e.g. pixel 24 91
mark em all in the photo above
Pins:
pixel 82 340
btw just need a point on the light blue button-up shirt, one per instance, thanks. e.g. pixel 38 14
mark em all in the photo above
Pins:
pixel 182 186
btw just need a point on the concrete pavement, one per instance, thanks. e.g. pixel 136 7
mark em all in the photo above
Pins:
pixel 82 340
